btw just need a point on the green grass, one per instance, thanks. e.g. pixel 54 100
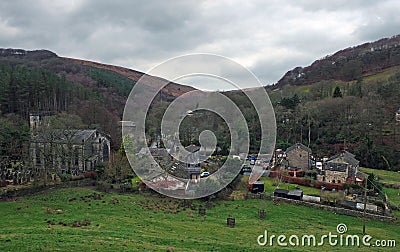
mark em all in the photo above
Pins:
pixel 147 222
pixel 384 176
pixel 389 177
pixel 393 195
pixel 383 76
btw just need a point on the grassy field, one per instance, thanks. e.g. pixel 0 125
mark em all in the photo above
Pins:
pixel 383 76
pixel 389 177
pixel 383 175
pixel 80 219
pixel 393 195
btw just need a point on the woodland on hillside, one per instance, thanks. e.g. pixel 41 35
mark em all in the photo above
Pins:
pixel 53 86
pixel 327 115
pixel 330 116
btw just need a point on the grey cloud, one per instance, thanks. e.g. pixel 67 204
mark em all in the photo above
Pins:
pixel 270 37
pixel 337 5
pixel 381 21
pixel 271 70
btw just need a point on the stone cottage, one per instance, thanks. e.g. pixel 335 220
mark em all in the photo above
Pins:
pixel 299 156
pixel 340 168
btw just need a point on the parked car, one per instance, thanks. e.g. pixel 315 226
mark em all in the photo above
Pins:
pixel 204 174
pixel 252 160
pixel 245 168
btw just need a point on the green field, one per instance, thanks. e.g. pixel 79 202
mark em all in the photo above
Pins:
pixel 393 195
pixel 76 219
pixel 389 177
pixel 383 175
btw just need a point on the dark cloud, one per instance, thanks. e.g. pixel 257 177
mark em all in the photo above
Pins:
pixel 381 20
pixel 335 6
pixel 269 37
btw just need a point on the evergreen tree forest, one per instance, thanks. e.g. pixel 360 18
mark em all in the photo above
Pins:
pixel 53 85
pixel 25 90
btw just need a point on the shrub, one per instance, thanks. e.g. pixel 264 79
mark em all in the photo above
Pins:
pixel 65 177
pixel 380 204
pixel 90 174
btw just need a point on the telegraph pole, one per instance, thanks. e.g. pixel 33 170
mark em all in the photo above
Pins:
pixel 365 206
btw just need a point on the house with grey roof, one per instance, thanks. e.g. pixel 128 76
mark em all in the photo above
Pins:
pixel 340 168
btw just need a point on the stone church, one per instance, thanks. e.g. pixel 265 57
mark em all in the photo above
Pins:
pixel 70 151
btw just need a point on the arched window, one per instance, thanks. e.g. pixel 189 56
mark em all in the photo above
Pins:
pixel 106 154
pixel 76 156
pixel 38 155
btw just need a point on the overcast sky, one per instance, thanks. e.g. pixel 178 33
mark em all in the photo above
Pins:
pixel 268 37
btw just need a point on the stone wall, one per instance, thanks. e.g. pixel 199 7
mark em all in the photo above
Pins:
pixel 335 176
pixel 298 158
pixel 34 190
pixel 338 210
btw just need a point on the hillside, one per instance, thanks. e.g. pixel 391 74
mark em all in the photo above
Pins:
pixel 344 101
pixel 332 115
pixel 41 58
pixel 40 80
pixel 347 64
pixel 173 90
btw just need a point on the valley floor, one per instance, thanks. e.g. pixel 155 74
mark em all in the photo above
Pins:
pixel 82 219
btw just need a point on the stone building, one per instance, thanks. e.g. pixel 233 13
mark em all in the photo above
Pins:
pixel 335 173
pixel 299 156
pixel 340 168
pixel 70 151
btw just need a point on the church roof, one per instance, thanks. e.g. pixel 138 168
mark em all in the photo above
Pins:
pixel 75 136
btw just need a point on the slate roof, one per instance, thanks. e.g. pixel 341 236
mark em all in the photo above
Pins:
pixel 337 167
pixel 194 170
pixel 65 136
pixel 348 157
pixel 298 145
pixel 296 192
pixel 361 175
pixel 281 191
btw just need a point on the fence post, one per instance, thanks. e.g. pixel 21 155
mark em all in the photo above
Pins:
pixel 230 222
